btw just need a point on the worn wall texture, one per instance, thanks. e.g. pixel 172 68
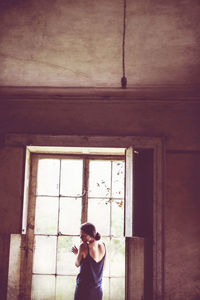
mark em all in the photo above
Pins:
pixel 78 43
pixel 182 226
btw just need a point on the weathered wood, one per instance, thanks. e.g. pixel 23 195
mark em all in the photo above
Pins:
pixel 135 268
pixel 84 215
pixel 4 262
pixel 12 161
pixel 128 220
pixel 14 274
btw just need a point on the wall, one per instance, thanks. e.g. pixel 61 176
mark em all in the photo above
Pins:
pixel 78 43
pixel 182 226
pixel 175 120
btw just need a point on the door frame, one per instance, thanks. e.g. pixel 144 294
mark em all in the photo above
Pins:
pixel 156 143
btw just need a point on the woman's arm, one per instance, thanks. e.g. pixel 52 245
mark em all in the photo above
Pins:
pixel 79 256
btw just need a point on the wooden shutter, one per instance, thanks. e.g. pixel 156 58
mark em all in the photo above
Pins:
pixel 11 188
pixel 139 223
pixel 139 192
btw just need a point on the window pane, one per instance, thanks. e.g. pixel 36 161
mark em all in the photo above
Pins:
pixel 65 258
pixel 70 215
pixel 117 258
pixel 71 177
pixel 117 226
pixel 99 178
pixel 46 215
pixel 106 271
pixel 48 177
pixel 117 290
pixel 44 255
pixel 43 287
pixel 65 287
pixel 105 287
pixel 99 214
pixel 118 179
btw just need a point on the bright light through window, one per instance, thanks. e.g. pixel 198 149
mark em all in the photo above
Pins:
pixel 61 204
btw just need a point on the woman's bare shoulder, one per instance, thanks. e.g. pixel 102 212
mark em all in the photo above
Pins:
pixel 101 246
pixel 101 243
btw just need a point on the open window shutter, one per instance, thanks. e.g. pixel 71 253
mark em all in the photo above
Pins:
pixel 128 226
pixel 139 192
pixel 11 188
pixel 139 223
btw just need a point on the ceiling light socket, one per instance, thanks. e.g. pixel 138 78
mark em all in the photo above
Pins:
pixel 124 82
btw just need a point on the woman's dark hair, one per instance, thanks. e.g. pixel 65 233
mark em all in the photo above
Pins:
pixel 90 229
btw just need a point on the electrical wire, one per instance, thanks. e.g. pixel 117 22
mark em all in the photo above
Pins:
pixel 124 39
pixel 124 79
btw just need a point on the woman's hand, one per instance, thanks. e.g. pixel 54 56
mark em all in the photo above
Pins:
pixel 74 249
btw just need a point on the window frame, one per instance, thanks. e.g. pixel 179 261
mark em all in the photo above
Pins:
pixel 26 141
pixel 34 159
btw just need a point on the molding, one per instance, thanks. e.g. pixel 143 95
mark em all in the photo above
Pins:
pixel 22 140
pixel 138 93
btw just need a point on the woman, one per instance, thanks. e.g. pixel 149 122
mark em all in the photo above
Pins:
pixel 90 257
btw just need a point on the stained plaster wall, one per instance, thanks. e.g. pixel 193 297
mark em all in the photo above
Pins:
pixel 78 43
pixel 177 122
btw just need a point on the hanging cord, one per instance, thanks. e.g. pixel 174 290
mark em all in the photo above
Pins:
pixel 124 79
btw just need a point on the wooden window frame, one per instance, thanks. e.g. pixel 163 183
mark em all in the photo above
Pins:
pixel 155 143
pixel 34 158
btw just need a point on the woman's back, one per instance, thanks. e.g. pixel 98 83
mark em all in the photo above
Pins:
pixel 90 258
pixel 92 264
pixel 96 250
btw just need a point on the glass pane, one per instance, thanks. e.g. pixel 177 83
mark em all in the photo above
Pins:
pixel 117 227
pixel 117 257
pixel 43 287
pixel 99 214
pixel 107 242
pixel 118 179
pixel 117 288
pixel 65 258
pixel 65 287
pixel 48 177
pixel 71 177
pixel 100 178
pixel 44 255
pixel 70 215
pixel 46 215
pixel 105 287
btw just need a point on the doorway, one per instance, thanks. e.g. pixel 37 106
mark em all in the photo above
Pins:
pixel 65 191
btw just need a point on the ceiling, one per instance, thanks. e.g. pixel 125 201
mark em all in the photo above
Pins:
pixel 76 43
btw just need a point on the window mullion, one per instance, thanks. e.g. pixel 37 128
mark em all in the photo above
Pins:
pixel 58 223
pixel 84 214
pixel 111 200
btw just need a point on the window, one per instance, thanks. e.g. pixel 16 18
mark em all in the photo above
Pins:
pixel 144 247
pixel 65 192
